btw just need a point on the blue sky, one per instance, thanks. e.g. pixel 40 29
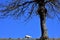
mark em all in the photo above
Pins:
pixel 10 27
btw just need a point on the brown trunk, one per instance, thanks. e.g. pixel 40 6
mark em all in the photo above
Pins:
pixel 42 14
pixel 44 34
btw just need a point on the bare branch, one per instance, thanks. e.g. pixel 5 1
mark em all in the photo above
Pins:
pixel 12 7
pixel 31 12
pixel 19 8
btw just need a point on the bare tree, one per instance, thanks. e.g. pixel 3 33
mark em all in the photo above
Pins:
pixel 19 8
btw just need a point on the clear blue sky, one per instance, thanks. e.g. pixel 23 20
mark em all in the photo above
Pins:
pixel 17 29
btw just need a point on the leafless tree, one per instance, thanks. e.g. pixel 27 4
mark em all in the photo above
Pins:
pixel 20 7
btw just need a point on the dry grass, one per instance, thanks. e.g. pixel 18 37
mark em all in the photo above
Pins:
pixel 27 39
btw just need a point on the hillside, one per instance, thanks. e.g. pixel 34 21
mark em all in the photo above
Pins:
pixel 26 39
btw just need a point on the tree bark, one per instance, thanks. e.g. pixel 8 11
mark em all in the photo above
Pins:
pixel 44 34
pixel 42 14
pixel 42 11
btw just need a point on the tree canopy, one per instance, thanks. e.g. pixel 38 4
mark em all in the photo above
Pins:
pixel 21 7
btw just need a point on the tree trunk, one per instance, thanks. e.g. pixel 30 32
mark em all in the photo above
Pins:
pixel 42 11
pixel 42 14
pixel 44 34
